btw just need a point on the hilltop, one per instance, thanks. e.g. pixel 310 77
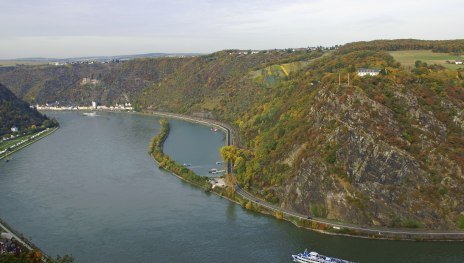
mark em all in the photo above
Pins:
pixel 15 112
pixel 384 150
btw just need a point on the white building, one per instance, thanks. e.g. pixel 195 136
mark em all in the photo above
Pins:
pixel 368 72
pixel 14 129
pixel 94 104
pixel 458 62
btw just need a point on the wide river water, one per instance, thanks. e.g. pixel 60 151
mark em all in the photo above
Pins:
pixel 91 190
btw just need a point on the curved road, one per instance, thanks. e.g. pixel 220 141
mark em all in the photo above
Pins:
pixel 383 232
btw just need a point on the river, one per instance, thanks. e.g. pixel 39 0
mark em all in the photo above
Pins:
pixel 91 190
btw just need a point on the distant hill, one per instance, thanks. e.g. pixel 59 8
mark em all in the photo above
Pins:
pixel 124 81
pixel 15 112
pixel 39 60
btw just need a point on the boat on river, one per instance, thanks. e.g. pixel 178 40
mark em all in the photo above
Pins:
pixel 89 114
pixel 314 257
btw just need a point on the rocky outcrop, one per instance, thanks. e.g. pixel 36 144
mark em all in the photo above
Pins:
pixel 360 168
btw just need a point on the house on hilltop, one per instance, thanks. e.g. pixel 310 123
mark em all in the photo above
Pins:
pixel 85 81
pixel 458 62
pixel 368 72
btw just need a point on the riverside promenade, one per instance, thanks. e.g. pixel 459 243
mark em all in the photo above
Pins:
pixel 23 144
pixel 330 226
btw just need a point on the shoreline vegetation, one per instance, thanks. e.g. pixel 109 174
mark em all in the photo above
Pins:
pixel 165 162
pixel 253 204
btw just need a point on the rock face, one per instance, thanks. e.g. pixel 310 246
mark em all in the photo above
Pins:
pixel 360 166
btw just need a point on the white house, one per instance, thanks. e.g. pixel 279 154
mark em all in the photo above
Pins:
pixel 368 72
pixel 14 129
pixel 458 62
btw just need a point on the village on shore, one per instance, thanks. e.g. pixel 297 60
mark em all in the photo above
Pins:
pixel 56 106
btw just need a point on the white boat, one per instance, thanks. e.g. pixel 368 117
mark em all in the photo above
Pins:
pixel 314 257
pixel 89 114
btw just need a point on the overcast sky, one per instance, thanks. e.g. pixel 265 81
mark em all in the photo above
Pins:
pixel 70 28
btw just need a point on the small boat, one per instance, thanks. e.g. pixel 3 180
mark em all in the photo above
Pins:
pixel 214 129
pixel 220 162
pixel 89 114
pixel 213 171
pixel 187 164
pixel 314 257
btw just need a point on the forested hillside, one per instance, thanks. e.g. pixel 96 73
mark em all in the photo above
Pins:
pixel 124 81
pixel 384 150
pixel 114 82
pixel 446 46
pixel 15 112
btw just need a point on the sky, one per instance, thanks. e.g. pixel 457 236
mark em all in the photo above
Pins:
pixel 75 28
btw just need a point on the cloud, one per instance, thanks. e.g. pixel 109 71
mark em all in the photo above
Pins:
pixel 207 25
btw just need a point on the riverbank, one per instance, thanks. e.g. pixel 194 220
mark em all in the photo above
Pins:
pixel 4 227
pixel 240 196
pixel 28 247
pixel 29 141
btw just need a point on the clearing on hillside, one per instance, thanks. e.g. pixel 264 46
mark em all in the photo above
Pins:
pixel 407 58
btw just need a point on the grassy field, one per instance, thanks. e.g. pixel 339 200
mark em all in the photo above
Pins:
pixel 9 63
pixel 407 58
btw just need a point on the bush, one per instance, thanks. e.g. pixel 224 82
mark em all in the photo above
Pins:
pixel 319 210
pixel 461 222
pixel 443 190
pixel 411 223
pixel 332 158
